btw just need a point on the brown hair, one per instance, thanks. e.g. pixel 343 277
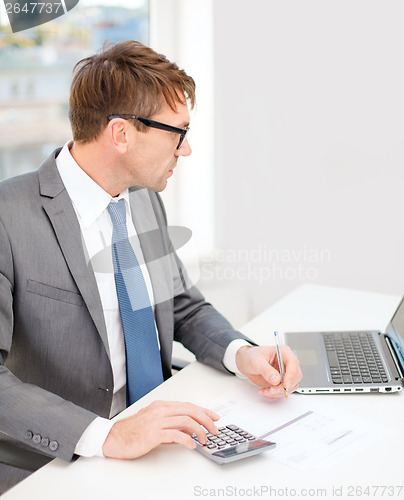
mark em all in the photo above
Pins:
pixel 127 78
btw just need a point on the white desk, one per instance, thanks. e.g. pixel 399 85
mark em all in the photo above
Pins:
pixel 173 472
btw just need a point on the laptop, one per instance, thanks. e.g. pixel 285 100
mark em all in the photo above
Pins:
pixel 351 361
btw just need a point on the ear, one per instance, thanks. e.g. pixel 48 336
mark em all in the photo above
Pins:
pixel 118 134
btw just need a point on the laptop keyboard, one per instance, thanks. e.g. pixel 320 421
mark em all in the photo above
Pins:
pixel 353 358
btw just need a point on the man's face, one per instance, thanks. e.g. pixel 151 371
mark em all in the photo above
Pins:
pixel 153 154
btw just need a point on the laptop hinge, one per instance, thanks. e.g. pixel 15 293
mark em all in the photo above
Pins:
pixel 394 356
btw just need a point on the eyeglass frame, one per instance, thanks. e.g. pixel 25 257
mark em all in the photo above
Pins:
pixel 153 124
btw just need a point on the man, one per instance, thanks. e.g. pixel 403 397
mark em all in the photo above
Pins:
pixel 92 294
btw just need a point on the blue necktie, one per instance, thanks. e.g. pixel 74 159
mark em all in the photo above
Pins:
pixel 143 362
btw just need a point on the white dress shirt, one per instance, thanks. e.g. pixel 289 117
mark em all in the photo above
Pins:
pixel 90 203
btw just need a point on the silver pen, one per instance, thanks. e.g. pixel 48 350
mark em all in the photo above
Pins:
pixel 280 362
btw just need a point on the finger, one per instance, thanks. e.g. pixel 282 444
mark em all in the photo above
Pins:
pixel 213 415
pixel 290 382
pixel 203 416
pixel 277 392
pixel 268 372
pixel 179 407
pixel 293 389
pixel 176 436
pixel 186 424
pixel 168 408
pixel 208 423
pixel 293 373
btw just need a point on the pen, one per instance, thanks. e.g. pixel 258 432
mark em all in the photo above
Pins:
pixel 280 362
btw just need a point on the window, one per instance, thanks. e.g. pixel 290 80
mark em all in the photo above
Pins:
pixel 183 31
pixel 35 73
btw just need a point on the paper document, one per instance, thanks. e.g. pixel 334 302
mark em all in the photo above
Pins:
pixel 307 432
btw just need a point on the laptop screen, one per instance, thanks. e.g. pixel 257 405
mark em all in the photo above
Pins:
pixel 395 331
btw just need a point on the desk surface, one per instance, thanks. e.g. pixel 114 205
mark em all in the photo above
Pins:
pixel 171 471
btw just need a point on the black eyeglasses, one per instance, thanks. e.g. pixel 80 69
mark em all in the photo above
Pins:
pixel 153 124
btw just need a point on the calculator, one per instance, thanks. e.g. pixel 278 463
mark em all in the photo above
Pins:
pixel 231 443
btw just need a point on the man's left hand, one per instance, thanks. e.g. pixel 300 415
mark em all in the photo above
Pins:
pixel 260 365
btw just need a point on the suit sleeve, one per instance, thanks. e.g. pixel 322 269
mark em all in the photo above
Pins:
pixel 30 415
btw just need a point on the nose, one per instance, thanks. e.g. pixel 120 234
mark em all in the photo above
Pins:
pixel 185 149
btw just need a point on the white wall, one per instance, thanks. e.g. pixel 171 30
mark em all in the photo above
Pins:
pixel 309 145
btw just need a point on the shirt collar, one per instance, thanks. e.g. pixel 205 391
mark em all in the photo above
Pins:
pixel 88 198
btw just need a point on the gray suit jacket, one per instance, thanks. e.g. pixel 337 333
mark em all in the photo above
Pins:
pixel 55 371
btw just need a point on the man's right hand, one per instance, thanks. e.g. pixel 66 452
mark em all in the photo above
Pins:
pixel 160 422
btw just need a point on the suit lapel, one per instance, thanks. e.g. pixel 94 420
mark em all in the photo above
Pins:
pixel 60 211
pixel 58 207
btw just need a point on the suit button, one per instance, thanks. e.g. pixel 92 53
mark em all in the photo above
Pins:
pixel 36 438
pixel 53 445
pixel 45 442
pixel 28 435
